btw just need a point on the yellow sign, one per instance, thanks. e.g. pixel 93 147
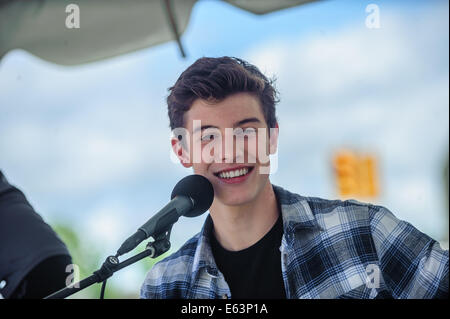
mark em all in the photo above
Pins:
pixel 356 174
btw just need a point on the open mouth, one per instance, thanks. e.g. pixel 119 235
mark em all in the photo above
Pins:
pixel 235 173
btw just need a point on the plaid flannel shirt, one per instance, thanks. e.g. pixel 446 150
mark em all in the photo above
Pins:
pixel 329 249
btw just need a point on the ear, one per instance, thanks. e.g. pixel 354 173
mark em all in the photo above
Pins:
pixel 273 140
pixel 181 152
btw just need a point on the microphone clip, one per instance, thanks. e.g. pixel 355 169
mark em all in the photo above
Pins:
pixel 161 244
pixel 108 268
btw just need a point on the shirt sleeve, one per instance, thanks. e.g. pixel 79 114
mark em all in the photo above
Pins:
pixel 51 271
pixel 26 239
pixel 413 265
pixel 154 286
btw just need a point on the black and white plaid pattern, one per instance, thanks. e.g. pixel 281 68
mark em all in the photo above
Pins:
pixel 330 249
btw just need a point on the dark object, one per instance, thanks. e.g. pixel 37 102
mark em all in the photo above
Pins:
pixel 45 278
pixel 33 259
pixel 198 188
pixel 173 26
pixel 191 196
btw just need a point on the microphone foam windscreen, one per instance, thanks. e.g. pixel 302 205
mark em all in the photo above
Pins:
pixel 200 189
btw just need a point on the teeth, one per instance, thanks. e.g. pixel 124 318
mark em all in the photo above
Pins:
pixel 235 173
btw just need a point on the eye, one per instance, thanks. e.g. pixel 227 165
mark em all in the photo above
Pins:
pixel 250 131
pixel 209 136
pixel 247 132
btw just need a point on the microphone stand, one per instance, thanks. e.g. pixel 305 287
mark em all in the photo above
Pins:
pixel 112 264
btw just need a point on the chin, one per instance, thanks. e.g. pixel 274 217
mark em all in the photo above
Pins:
pixel 238 194
pixel 236 199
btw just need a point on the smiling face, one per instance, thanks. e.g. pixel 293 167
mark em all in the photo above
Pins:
pixel 235 169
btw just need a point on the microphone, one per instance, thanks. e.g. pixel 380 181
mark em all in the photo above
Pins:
pixel 191 197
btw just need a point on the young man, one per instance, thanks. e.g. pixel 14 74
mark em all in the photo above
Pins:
pixel 261 241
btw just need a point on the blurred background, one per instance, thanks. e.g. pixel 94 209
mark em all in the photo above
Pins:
pixel 364 114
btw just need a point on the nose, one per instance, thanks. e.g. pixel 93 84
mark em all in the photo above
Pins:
pixel 227 147
pixel 233 148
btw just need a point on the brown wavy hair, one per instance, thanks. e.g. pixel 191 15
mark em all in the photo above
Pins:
pixel 214 79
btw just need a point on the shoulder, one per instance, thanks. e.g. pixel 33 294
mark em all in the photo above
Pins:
pixel 351 217
pixel 317 204
pixel 171 276
pixel 340 214
pixel 389 235
pixel 354 214
pixel 327 212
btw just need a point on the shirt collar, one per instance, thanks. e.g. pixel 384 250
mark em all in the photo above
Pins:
pixel 203 257
pixel 296 214
pixel 295 210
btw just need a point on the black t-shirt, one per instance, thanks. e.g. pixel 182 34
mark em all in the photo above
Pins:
pixel 254 272
pixel 32 257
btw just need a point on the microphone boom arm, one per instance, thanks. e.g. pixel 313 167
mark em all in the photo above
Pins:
pixel 154 249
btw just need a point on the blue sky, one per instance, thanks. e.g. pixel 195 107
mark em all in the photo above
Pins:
pixel 89 145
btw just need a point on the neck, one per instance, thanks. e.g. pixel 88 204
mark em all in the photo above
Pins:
pixel 239 227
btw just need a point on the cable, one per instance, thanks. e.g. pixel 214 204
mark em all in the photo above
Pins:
pixel 102 291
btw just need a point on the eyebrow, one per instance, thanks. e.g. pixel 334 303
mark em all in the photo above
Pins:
pixel 241 122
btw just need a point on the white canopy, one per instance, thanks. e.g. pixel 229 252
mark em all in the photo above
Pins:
pixel 107 27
